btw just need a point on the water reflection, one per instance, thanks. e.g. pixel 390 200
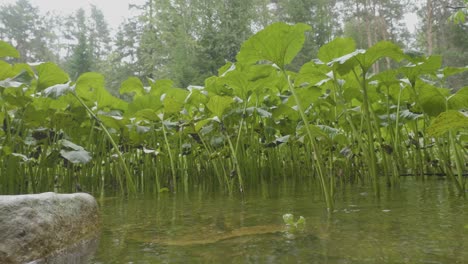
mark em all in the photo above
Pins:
pixel 418 222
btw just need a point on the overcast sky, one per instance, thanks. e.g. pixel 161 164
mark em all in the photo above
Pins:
pixel 114 10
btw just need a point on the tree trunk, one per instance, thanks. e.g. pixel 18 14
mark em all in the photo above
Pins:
pixel 429 21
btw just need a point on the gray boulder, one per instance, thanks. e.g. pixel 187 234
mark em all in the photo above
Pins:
pixel 38 226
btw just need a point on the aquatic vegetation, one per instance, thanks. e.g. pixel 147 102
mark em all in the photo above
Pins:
pixel 292 225
pixel 350 115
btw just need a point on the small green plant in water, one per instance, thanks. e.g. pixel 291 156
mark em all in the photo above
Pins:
pixel 294 226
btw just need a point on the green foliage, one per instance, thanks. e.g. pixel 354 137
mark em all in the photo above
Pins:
pixel 337 120
pixel 279 44
pixel 30 32
pixel 50 74
pixel 132 85
pixel 448 121
pixel 6 50
pixel 459 16
pixel 294 226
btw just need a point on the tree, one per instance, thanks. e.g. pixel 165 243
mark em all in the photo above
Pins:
pixel 89 39
pixel 437 35
pixel 380 19
pixel 371 21
pixel 22 25
pixel 224 26
pixel 188 40
pixel 122 61
pixel 81 59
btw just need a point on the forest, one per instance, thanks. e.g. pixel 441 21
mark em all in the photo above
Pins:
pixel 187 41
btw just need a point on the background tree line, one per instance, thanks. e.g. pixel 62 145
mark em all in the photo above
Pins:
pixel 188 40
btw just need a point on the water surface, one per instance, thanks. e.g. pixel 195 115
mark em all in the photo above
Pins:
pixel 417 222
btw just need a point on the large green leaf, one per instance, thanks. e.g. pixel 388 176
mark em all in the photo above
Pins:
pixel 146 114
pixel 366 58
pixel 132 85
pixel 336 48
pixel 90 87
pixel 115 122
pixel 262 76
pixel 196 96
pixel 144 102
pixel 16 97
pixel 431 98
pixel 74 153
pixel 307 96
pixel 218 104
pixel 429 65
pixel 284 111
pixel 159 87
pixel 50 74
pixel 382 49
pixel 279 43
pixel 6 50
pixel 174 100
pixel 236 80
pixel 5 70
pixel 459 100
pixel 447 121
pixel 313 73
pixel 449 71
pixel 346 63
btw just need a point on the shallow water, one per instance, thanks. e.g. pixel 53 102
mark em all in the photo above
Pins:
pixel 417 222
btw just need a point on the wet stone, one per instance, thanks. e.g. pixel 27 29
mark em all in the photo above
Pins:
pixel 36 227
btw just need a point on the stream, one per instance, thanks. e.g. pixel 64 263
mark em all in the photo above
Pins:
pixel 415 222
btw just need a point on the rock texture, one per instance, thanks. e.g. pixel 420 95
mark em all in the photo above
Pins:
pixel 36 226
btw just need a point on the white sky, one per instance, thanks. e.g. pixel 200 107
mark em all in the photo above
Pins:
pixel 114 10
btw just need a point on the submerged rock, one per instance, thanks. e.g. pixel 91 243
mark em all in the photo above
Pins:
pixel 38 226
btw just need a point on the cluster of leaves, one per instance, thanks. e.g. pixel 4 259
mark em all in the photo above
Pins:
pixel 334 119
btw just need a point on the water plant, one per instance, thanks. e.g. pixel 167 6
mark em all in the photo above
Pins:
pixel 294 226
pixel 350 115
